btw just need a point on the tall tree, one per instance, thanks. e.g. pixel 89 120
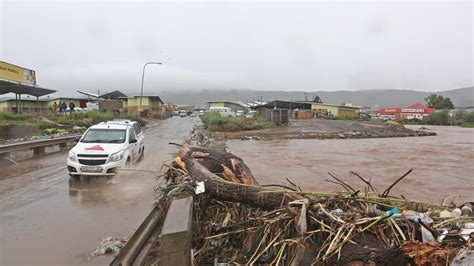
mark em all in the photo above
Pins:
pixel 448 104
pixel 439 102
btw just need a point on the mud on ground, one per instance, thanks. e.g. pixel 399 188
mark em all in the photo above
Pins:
pixel 327 129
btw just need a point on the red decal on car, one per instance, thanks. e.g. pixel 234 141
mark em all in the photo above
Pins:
pixel 95 148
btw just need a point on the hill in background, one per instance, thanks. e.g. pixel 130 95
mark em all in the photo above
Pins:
pixel 371 98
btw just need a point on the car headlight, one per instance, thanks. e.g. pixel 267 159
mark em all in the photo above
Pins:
pixel 72 156
pixel 116 156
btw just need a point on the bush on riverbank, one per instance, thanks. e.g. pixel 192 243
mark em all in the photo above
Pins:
pixel 215 122
pixel 468 125
pixel 443 118
pixel 437 118
pixel 91 118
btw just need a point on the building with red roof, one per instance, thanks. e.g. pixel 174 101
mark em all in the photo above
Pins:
pixel 417 110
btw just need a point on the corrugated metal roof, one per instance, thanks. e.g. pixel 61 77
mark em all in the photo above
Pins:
pixel 18 88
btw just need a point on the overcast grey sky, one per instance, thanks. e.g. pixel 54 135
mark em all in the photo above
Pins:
pixel 272 46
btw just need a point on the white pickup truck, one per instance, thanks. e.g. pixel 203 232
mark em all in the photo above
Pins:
pixel 105 147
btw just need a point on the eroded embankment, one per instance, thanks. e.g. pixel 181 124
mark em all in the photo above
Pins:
pixel 327 129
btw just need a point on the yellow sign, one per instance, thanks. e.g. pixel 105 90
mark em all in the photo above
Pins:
pixel 16 73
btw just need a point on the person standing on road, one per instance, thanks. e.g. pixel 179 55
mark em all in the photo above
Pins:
pixel 71 107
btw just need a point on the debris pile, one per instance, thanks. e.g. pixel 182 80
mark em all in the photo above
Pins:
pixel 236 220
pixel 108 246
pixel 203 138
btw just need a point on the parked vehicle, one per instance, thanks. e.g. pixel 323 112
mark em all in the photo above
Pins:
pixel 175 113
pixel 195 114
pixel 223 111
pixel 240 113
pixel 105 147
pixel 183 113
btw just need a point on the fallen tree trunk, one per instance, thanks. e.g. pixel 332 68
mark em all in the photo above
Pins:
pixel 221 189
pixel 223 164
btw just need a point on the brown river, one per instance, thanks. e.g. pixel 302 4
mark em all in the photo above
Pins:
pixel 443 165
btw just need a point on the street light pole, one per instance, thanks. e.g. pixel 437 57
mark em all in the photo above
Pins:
pixel 143 78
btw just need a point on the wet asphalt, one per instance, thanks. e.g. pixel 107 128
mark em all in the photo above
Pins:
pixel 47 218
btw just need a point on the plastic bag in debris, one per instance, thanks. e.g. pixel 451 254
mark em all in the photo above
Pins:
pixel 464 258
pixel 426 235
pixel 468 231
pixel 414 216
pixel 108 246
pixel 337 212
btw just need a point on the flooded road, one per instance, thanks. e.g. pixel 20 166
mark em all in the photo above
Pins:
pixel 46 218
pixel 442 165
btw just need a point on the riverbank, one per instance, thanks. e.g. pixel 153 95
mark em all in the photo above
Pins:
pixel 441 164
pixel 327 129
pixel 22 127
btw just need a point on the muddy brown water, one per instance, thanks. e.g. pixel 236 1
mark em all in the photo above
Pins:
pixel 442 165
pixel 48 219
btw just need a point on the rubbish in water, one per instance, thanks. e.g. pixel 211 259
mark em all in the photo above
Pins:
pixel 108 246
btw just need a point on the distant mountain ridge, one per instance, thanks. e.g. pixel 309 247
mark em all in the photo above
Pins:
pixel 462 97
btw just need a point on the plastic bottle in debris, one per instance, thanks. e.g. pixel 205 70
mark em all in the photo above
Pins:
pixel 466 209
pixel 456 212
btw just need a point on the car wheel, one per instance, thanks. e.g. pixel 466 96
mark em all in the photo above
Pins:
pixel 142 155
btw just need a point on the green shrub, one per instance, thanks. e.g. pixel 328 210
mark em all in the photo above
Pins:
pixel 392 122
pixel 467 117
pixel 468 124
pixel 437 118
pixel 215 122
pixel 212 118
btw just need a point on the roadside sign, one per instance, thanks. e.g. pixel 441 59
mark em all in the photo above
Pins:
pixel 17 73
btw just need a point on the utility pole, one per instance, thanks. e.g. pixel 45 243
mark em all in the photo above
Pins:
pixel 143 78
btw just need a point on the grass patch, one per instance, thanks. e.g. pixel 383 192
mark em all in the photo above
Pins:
pixel 215 122
pixel 9 118
pixel 91 118
pixel 468 124
pixel 349 117
pixel 392 123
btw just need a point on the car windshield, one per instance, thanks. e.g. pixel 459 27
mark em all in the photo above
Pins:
pixel 104 136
